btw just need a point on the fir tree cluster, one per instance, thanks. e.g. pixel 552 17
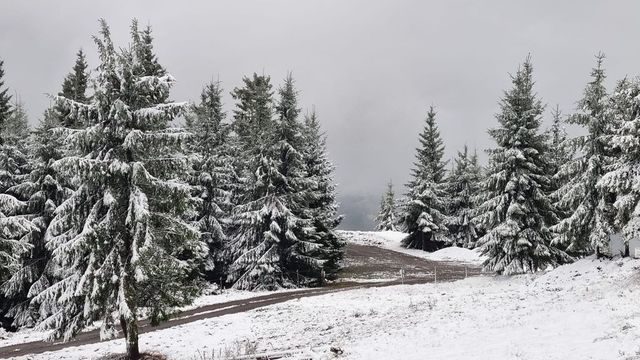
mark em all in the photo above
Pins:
pixel 544 198
pixel 113 211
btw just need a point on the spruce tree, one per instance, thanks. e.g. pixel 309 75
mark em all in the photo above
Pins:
pixel 213 175
pixel 301 252
pixel 253 118
pixel 43 190
pixel 463 188
pixel 253 249
pixel 321 205
pixel 559 153
pixel 623 172
pixel 120 242
pixel 14 169
pixel 5 100
pixel 423 216
pixel 590 209
pixel 270 247
pixel 74 87
pixel 16 127
pixel 76 82
pixel 516 210
pixel 143 47
pixel 387 218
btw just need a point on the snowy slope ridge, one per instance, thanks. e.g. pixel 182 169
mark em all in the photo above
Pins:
pixel 391 240
pixel 585 310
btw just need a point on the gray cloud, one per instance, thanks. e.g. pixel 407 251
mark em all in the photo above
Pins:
pixel 370 68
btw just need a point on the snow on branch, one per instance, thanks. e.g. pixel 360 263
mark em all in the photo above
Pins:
pixel 161 112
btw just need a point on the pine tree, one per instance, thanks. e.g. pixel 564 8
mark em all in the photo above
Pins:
pixel 424 216
pixel 74 87
pixel 387 218
pixel 299 249
pixel 5 100
pixel 43 191
pixel 591 211
pixel 271 246
pixel 516 210
pixel 253 248
pixel 558 152
pixel 75 84
pixel 16 127
pixel 622 173
pixel 463 189
pixel 120 242
pixel 213 175
pixel 253 118
pixel 143 47
pixel 14 168
pixel 321 206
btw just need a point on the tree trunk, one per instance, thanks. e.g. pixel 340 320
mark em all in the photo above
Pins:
pixel 131 332
pixel 123 325
pixel 626 249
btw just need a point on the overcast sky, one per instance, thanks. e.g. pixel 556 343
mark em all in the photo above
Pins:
pixel 371 68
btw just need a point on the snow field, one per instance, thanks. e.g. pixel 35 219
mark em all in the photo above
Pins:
pixel 586 310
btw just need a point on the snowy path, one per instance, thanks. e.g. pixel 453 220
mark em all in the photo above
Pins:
pixel 376 266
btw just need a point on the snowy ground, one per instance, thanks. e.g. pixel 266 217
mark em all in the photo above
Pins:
pixel 27 334
pixel 391 240
pixel 586 310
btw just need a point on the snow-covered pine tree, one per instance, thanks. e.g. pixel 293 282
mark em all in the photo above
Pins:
pixel 302 254
pixel 253 118
pixel 43 192
pixel 253 246
pixel 387 218
pixel 14 168
pixel 423 216
pixel 271 243
pixel 558 152
pixel 119 242
pixel 516 210
pixel 143 47
pixel 321 206
pixel 74 87
pixel 16 128
pixel 623 172
pixel 558 155
pixel 463 187
pixel 8 247
pixel 5 99
pixel 213 175
pixel 590 220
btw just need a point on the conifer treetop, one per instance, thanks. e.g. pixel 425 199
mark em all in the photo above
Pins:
pixel 5 100
pixel 75 84
pixel 429 158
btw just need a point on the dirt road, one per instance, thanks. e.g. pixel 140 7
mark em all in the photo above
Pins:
pixel 371 262
pixel 361 263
